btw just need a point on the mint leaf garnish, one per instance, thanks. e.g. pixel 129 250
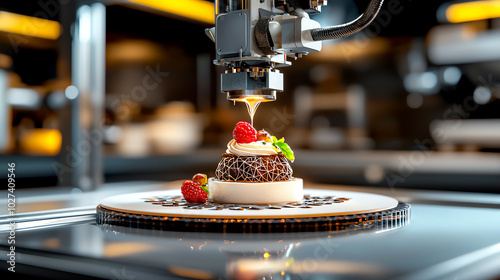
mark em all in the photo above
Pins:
pixel 284 148
pixel 205 188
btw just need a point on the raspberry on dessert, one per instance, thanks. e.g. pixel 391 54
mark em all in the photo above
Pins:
pixel 263 135
pixel 193 193
pixel 244 133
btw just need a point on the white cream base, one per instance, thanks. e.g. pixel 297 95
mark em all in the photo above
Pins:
pixel 255 193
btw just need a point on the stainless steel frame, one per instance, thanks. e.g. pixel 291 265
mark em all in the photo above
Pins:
pixel 4 111
pixel 88 76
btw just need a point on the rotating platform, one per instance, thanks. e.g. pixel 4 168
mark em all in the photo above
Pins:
pixel 320 210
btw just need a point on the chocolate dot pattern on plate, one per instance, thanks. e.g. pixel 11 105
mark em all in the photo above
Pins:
pixel 308 202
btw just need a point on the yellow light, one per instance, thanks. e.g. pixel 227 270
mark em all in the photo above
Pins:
pixel 41 141
pixel 266 255
pixel 471 11
pixel 121 249
pixel 198 10
pixel 29 26
pixel 191 273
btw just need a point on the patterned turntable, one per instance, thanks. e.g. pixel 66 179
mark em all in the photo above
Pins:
pixel 321 210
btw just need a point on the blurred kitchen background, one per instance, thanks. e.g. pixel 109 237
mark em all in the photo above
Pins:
pixel 126 91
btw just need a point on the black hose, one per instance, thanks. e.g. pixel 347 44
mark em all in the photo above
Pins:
pixel 347 29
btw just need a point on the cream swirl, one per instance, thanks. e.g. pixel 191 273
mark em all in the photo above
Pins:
pixel 258 148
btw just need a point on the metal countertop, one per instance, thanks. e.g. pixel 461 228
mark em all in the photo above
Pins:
pixel 451 236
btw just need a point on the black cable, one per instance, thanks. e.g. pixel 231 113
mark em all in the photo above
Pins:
pixel 347 29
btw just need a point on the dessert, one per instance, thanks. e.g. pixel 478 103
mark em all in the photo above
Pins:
pixel 255 169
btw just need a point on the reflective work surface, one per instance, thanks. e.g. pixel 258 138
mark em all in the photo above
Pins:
pixel 441 242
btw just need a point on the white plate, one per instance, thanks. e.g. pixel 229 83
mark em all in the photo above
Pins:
pixel 359 203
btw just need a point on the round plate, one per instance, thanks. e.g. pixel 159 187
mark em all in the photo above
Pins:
pixel 321 210
pixel 317 203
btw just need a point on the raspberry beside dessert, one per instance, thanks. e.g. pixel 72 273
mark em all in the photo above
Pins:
pixel 193 192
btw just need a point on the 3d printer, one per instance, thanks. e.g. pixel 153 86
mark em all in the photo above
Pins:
pixel 255 37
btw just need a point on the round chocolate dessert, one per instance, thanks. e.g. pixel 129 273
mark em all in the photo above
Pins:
pixel 256 169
